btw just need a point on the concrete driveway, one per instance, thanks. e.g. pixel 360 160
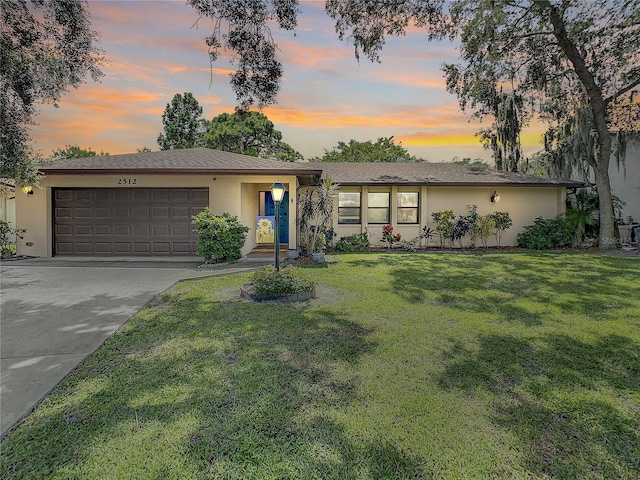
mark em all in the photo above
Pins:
pixel 55 313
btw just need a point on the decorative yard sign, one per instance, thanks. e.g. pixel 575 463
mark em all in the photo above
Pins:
pixel 265 232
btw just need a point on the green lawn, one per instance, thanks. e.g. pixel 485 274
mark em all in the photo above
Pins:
pixel 439 365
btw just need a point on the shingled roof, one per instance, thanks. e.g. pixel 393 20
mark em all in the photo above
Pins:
pixel 191 160
pixel 435 174
pixel 206 160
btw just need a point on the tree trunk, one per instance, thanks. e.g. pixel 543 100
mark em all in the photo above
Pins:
pixel 599 113
pixel 606 237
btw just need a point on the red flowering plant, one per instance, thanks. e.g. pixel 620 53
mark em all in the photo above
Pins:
pixel 389 237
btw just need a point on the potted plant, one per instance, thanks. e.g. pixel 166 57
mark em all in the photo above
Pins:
pixel 293 253
pixel 318 249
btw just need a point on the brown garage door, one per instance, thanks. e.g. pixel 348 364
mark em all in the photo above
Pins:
pixel 126 221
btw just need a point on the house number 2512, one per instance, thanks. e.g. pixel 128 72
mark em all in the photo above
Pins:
pixel 127 181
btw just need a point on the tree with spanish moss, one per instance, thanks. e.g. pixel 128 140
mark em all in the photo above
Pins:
pixel 554 54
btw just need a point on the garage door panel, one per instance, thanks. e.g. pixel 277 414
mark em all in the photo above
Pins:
pixel 182 229
pixel 181 248
pixel 63 195
pixel 119 195
pixel 161 247
pixel 141 229
pixel 121 213
pixel 83 212
pixel 160 212
pixel 83 247
pixel 64 213
pixel 141 247
pixel 64 247
pixel 64 229
pixel 83 196
pixel 103 247
pixel 102 212
pixel 141 195
pixel 126 221
pixel 180 212
pixel 161 195
pixel 180 195
pixel 122 229
pixel 161 229
pixel 200 196
pixel 141 212
pixel 122 247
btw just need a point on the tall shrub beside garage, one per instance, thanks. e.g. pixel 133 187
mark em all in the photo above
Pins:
pixel 220 237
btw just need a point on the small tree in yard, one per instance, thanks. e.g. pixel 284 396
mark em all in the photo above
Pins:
pixel 501 222
pixel 220 237
pixel 445 221
pixel 485 228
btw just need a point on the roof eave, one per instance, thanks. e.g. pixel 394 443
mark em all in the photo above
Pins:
pixel 133 171
pixel 568 184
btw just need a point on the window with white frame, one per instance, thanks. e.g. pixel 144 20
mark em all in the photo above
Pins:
pixel 378 207
pixel 408 203
pixel 348 207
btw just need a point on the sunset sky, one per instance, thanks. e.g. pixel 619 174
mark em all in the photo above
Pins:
pixel 156 49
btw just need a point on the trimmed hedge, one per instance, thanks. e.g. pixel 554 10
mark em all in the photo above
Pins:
pixel 546 234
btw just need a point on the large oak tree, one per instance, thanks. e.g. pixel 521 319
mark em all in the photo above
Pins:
pixel 46 48
pixel 551 55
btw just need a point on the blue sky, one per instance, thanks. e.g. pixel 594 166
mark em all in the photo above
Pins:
pixel 156 49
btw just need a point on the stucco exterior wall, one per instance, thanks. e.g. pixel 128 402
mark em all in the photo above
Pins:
pixel 234 194
pixel 625 180
pixel 524 204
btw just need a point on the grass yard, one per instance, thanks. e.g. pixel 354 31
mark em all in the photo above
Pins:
pixel 406 366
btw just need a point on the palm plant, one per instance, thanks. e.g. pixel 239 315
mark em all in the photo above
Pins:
pixel 315 204
pixel 582 212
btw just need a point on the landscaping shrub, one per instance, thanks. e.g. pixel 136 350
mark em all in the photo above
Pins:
pixel 220 237
pixel 461 228
pixel 410 245
pixel 548 233
pixel 268 281
pixel 485 227
pixel 7 243
pixel 426 233
pixel 358 242
pixel 501 223
pixel 445 221
pixel 389 237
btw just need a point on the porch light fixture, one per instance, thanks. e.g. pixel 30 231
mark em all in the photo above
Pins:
pixel 495 197
pixel 28 190
pixel 277 194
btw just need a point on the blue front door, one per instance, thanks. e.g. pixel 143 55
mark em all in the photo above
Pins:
pixel 270 209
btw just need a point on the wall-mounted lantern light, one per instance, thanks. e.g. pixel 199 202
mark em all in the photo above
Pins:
pixel 28 190
pixel 495 197
pixel 277 194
